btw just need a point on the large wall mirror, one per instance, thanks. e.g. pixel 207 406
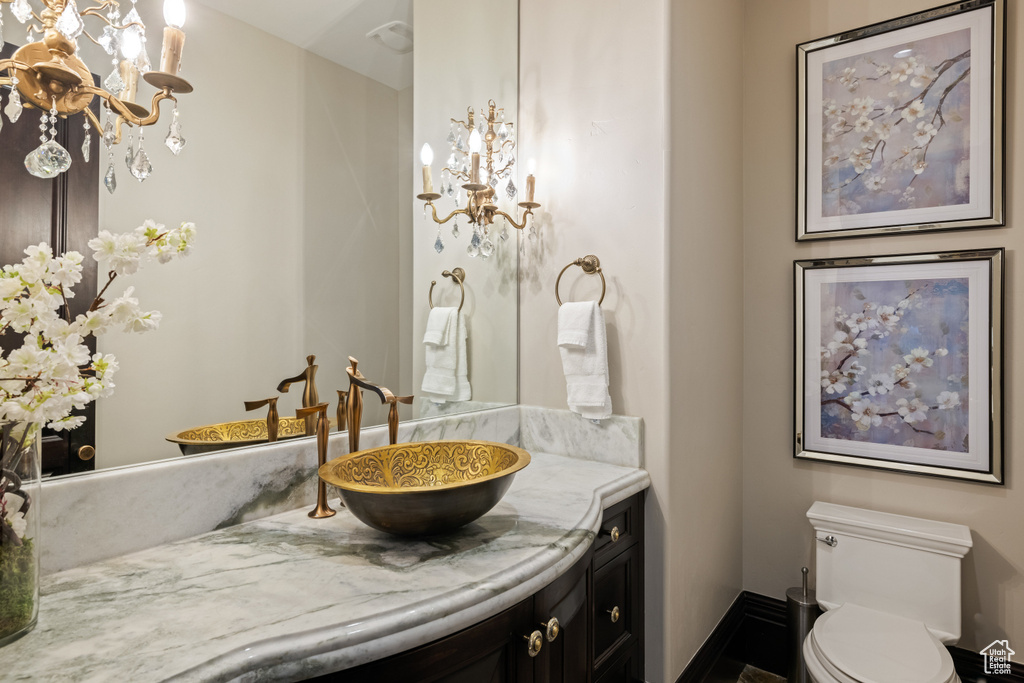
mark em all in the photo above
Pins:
pixel 300 171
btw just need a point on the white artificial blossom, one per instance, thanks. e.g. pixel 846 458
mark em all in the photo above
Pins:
pixel 52 373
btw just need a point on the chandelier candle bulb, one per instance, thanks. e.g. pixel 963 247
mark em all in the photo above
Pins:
pixel 427 157
pixel 174 37
pixel 130 78
pixel 475 143
pixel 531 182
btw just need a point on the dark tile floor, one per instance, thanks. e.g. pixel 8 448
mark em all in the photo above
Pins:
pixel 730 671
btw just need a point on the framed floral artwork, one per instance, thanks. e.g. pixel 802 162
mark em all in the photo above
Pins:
pixel 900 125
pixel 899 363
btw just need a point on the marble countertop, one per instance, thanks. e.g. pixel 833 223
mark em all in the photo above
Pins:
pixel 287 597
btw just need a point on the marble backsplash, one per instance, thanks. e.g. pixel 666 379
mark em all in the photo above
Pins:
pixel 87 518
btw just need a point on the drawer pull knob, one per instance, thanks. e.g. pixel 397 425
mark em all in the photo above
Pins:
pixel 614 533
pixel 614 612
pixel 551 629
pixel 86 453
pixel 534 642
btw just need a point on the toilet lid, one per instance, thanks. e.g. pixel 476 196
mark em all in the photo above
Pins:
pixel 875 647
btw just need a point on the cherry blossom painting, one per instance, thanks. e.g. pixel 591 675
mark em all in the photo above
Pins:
pixel 900 125
pixel 895 127
pixel 898 360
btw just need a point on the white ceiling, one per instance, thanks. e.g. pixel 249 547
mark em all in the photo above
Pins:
pixel 333 29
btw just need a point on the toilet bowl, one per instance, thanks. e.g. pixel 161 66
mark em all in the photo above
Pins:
pixel 890 588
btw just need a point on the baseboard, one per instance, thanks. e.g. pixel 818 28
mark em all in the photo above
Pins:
pixel 716 644
pixel 753 631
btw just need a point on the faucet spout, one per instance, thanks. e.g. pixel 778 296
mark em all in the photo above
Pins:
pixel 357 382
pixel 309 393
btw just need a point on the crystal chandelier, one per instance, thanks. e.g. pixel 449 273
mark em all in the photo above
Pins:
pixel 480 176
pixel 48 75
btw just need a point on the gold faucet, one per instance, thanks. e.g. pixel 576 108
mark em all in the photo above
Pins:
pixel 273 420
pixel 323 428
pixel 354 403
pixel 310 397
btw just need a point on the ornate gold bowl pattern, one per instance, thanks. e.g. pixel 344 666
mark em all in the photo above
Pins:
pixel 234 434
pixel 414 489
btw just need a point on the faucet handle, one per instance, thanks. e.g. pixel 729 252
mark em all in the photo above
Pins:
pixel 311 410
pixel 273 419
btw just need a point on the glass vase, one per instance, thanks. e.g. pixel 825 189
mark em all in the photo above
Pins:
pixel 19 529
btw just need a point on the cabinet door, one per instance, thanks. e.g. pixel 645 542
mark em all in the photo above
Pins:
pixel 566 658
pixel 493 651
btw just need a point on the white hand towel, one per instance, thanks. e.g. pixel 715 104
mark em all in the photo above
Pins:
pixel 446 376
pixel 439 322
pixel 583 344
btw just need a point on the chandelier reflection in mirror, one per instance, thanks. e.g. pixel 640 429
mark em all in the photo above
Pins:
pixel 482 159
pixel 48 75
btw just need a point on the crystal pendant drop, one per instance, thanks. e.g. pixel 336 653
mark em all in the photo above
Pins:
pixel 501 157
pixel 70 22
pixel 451 190
pixel 438 243
pixel 1 28
pixel 142 62
pixel 486 248
pixel 175 141
pixel 86 146
pixel 475 241
pixel 494 180
pixel 455 230
pixel 504 233
pixel 113 82
pixel 464 169
pixel 108 132
pixel 109 40
pixel 14 106
pixel 452 161
pixel 22 10
pixel 133 18
pixel 459 145
pixel 511 189
pixel 129 154
pixel 451 137
pixel 48 160
pixel 140 166
pixel 110 179
pixel 503 132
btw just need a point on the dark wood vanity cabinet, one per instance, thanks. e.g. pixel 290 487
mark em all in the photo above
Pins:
pixel 598 603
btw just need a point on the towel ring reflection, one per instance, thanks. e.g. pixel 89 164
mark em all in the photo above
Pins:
pixel 458 275
pixel 590 265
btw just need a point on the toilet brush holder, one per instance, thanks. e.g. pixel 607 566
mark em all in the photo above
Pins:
pixel 801 612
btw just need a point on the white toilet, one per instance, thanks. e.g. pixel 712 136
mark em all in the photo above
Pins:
pixel 890 588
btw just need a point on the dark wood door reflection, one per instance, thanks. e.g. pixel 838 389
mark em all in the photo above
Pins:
pixel 64 213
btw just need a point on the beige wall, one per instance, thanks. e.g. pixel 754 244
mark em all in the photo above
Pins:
pixel 705 286
pixel 594 112
pixel 777 490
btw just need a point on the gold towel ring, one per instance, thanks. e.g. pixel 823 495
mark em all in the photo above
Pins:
pixel 590 265
pixel 458 275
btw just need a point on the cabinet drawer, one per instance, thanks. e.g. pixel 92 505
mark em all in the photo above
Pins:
pixel 616 606
pixel 625 668
pixel 621 522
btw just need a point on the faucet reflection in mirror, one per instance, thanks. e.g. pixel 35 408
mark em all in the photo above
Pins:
pixel 50 76
pixel 481 176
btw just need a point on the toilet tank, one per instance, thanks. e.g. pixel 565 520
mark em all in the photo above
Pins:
pixel 901 565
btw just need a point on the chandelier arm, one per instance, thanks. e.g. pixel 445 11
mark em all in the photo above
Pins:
pixel 122 110
pixel 450 216
pixel 511 220
pixel 458 174
pixel 461 123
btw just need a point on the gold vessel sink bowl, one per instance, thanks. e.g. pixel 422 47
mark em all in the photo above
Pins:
pixel 235 435
pixel 419 489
